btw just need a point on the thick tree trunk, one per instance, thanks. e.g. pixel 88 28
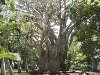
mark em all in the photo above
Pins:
pixel 62 58
pixel 53 63
pixel 49 58
pixel 62 44
pixel 3 70
pixel 43 61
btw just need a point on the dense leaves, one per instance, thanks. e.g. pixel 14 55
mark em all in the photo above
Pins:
pixel 86 16
pixel 5 54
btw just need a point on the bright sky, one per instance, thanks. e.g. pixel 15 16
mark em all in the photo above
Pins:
pixel 57 27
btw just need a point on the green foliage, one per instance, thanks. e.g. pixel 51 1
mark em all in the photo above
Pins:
pixel 86 18
pixel 5 54
pixel 9 3
pixel 7 26
pixel 75 53
pixel 12 6
pixel 80 11
pixel 2 2
pixel 2 50
pixel 1 17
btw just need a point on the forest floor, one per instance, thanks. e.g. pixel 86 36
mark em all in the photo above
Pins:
pixel 68 73
pixel 59 73
pixel 90 73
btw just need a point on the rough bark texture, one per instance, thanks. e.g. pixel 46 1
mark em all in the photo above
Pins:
pixel 49 58
pixel 43 61
pixel 3 70
pixel 53 50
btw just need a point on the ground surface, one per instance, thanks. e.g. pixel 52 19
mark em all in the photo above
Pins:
pixel 94 73
pixel 90 73
pixel 67 73
pixel 59 73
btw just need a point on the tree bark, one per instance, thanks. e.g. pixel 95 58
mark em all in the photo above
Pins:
pixel 3 70
pixel 43 61
pixel 49 58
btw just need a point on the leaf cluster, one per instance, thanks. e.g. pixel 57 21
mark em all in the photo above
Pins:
pixel 86 17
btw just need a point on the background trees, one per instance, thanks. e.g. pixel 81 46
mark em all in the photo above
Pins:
pixel 87 28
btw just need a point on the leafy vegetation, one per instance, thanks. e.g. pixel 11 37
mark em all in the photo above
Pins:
pixel 5 54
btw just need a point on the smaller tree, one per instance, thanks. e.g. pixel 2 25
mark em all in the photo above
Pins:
pixel 74 54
